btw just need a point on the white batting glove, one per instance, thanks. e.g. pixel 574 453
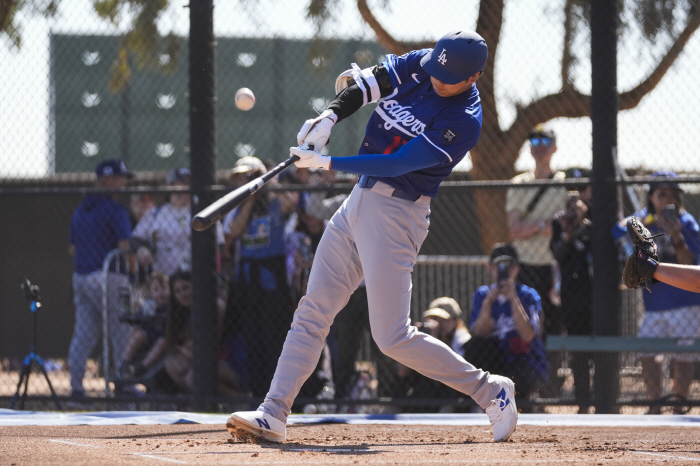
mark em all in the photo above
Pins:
pixel 310 158
pixel 317 131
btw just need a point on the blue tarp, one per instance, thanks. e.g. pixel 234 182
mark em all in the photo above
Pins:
pixel 9 417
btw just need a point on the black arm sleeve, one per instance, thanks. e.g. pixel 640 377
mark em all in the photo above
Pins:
pixel 350 99
pixel 347 102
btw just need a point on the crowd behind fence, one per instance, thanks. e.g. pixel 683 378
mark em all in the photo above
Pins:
pixel 352 371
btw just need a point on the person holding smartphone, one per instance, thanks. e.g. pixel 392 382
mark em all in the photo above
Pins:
pixel 572 248
pixel 505 325
pixel 670 312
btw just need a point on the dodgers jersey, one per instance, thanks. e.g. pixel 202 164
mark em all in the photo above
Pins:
pixel 451 125
pixel 504 330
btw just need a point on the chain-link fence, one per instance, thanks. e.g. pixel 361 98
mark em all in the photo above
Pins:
pixel 86 85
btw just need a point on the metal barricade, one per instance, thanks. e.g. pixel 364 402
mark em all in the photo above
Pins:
pixel 455 276
pixel 118 261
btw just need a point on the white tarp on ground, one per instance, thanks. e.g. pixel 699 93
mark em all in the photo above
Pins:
pixel 9 417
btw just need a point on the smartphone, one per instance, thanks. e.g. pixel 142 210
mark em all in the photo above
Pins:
pixel 670 212
pixel 503 268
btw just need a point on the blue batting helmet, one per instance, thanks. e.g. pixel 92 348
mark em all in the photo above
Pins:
pixel 457 56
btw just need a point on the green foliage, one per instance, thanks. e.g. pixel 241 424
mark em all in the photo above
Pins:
pixel 8 10
pixel 321 11
pixel 658 16
pixel 143 41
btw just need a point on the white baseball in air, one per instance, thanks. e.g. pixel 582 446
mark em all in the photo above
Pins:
pixel 245 99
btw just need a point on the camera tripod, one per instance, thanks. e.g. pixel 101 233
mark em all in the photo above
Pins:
pixel 32 293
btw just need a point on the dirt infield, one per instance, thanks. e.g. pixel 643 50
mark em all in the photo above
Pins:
pixel 348 444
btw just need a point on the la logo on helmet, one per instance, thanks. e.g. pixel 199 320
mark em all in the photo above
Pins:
pixel 442 58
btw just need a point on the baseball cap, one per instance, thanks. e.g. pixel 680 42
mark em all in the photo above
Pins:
pixel 448 305
pixel 457 56
pixel 540 131
pixel 180 174
pixel 437 312
pixel 112 167
pixel 504 252
pixel 247 164
pixel 576 172
pixel 669 183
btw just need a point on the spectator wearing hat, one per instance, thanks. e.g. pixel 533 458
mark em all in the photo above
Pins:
pixel 161 239
pixel 571 246
pixel 451 329
pixel 442 320
pixel 259 307
pixel 530 212
pixel 505 325
pixel 669 312
pixel 99 225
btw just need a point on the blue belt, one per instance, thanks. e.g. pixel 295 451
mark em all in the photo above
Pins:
pixel 367 181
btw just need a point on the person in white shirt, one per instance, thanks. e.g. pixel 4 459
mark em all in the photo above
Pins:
pixel 161 238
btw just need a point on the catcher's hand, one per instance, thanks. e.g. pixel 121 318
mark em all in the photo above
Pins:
pixel 641 264
pixel 641 238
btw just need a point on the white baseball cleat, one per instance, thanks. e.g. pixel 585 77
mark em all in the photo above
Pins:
pixel 502 413
pixel 256 424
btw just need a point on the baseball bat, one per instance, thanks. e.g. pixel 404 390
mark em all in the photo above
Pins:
pixel 210 214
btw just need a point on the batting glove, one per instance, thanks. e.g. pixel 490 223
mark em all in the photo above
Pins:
pixel 310 158
pixel 317 131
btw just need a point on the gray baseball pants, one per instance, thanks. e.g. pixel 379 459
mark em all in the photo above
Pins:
pixel 376 237
pixel 87 295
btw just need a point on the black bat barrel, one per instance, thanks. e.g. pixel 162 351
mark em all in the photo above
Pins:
pixel 210 214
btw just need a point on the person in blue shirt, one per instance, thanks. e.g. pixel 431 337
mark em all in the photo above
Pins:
pixel 670 312
pixel 505 325
pixel 427 118
pixel 259 307
pixel 99 225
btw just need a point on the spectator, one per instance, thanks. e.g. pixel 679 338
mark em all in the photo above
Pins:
pixel 161 238
pixel 572 248
pixel 259 302
pixel 139 204
pixel 178 333
pixel 146 333
pixel 174 347
pixel 505 325
pixel 302 242
pixel 99 225
pixel 530 211
pixel 451 329
pixel 670 312
pixel 442 320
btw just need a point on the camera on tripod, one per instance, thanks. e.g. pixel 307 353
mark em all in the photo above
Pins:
pixel 31 292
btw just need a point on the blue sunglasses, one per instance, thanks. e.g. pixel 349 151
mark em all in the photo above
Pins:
pixel 534 142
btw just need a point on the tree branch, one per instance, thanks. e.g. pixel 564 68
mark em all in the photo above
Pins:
pixel 631 98
pixel 5 7
pixel 569 103
pixel 385 39
pixel 567 59
pixel 488 26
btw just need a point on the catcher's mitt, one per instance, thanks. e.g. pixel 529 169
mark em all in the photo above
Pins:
pixel 640 266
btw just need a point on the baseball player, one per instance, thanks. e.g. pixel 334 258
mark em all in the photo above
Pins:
pixel 99 225
pixel 685 277
pixel 427 119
